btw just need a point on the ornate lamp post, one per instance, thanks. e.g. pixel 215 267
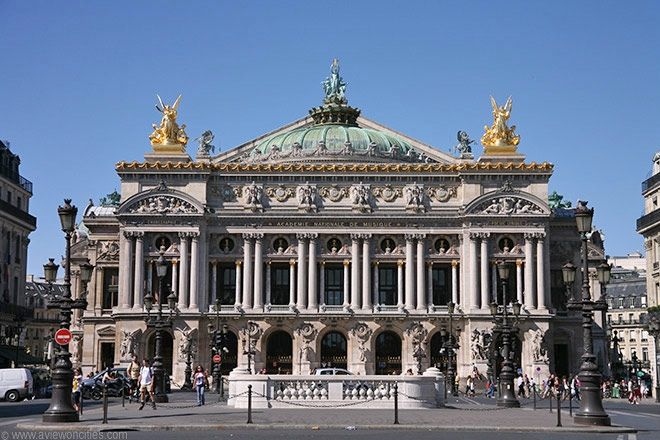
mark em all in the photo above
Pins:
pixel 654 330
pixel 160 324
pixel 218 338
pixel 19 320
pixel 591 410
pixel 507 396
pixel 449 347
pixel 61 407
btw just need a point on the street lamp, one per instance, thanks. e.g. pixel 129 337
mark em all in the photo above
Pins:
pixel 501 313
pixel 218 338
pixel 591 410
pixel 160 324
pixel 61 408
pixel 449 349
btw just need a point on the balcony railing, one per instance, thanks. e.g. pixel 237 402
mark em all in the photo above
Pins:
pixel 649 219
pixel 16 178
pixel 650 182
pixel 18 213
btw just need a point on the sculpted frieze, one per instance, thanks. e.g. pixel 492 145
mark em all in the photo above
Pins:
pixel 253 197
pixel 108 251
pixel 162 204
pixel 442 193
pixel 361 197
pixel 280 193
pixel 414 196
pixel 508 205
pixel 387 192
pixel 307 200
pixel 334 192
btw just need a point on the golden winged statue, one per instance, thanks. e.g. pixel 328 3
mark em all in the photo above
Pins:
pixel 499 134
pixel 168 132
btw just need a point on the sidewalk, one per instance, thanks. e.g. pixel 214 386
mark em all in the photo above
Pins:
pixel 183 414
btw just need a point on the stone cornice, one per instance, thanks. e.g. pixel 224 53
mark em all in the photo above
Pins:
pixel 543 167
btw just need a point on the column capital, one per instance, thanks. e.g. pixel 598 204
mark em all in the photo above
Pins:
pixel 419 236
pixel 301 236
pixel 400 263
pixel 375 263
pixel 356 237
pixel 292 262
pixel 129 234
pixel 269 262
pixel 174 261
pixel 365 236
pixel 312 236
pixel 410 237
pixel 194 235
pixel 214 263
pixel 239 263
pixel 519 262
pixel 322 262
pixel 455 263
pixel 252 236
pixel 347 263
pixel 138 234
pixel 429 263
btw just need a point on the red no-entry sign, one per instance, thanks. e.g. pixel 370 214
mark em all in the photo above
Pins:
pixel 217 358
pixel 63 336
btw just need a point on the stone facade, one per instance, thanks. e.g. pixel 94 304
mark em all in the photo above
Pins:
pixel 333 241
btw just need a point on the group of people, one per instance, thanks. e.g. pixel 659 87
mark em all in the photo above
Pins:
pixel 633 389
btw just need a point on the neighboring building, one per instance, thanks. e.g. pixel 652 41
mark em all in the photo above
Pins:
pixel 634 261
pixel 626 318
pixel 40 329
pixel 332 241
pixel 16 224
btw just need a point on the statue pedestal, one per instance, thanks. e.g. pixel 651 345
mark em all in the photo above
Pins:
pixel 168 153
pixel 493 154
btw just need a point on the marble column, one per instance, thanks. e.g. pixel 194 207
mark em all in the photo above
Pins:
pixel 484 271
pixel 239 284
pixel 454 281
pixel 471 272
pixel 214 282
pixel 312 293
pixel 493 282
pixel 138 288
pixel 529 293
pixel 366 273
pixel 519 281
pixel 421 285
pixel 410 273
pixel 248 273
pixel 347 285
pixel 429 285
pixel 376 283
pixel 184 275
pixel 355 272
pixel 150 275
pixel 258 272
pixel 175 276
pixel 302 272
pixel 292 283
pixel 125 269
pixel 194 271
pixel 268 282
pixel 322 284
pixel 399 284
pixel 540 272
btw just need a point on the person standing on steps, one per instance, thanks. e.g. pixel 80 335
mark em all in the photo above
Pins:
pixel 146 384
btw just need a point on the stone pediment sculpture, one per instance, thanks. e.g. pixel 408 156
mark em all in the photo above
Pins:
pixel 108 251
pixel 361 197
pixel 162 204
pixel 129 344
pixel 479 344
pixel 500 134
pixel 169 133
pixel 508 205
pixel 414 196
pixel 307 200
pixel 253 197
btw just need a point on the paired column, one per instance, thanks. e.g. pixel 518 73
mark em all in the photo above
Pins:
pixel 258 272
pixel 194 270
pixel 175 276
pixel 184 272
pixel 322 284
pixel 292 283
pixel 366 273
pixel 268 282
pixel 472 272
pixel 454 281
pixel 302 273
pixel 213 297
pixel 347 285
pixel 429 284
pixel 530 292
pixel 421 289
pixel 540 271
pixel 138 288
pixel 519 281
pixel 410 272
pixel 484 270
pixel 312 295
pixel 376 282
pixel 355 271
pixel 399 284
pixel 248 275
pixel 125 269
pixel 239 284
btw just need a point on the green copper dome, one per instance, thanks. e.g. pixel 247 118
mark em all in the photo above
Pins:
pixel 334 135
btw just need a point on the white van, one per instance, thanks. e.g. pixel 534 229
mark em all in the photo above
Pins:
pixel 15 384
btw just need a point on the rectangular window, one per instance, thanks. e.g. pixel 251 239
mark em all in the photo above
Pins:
pixel 334 284
pixel 441 279
pixel 557 290
pixel 620 303
pixel 643 301
pixel 620 318
pixel 633 335
pixel 387 284
pixel 279 283
pixel 226 287
pixel 110 287
pixel 645 354
pixel 645 336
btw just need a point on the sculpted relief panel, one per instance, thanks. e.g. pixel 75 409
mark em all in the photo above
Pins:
pixel 508 205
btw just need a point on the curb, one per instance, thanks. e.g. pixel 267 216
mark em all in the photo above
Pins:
pixel 209 427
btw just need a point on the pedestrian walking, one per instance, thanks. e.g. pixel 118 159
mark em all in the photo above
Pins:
pixel 76 391
pixel 134 375
pixel 146 384
pixel 200 383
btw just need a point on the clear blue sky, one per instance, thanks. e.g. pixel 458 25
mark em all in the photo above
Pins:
pixel 78 82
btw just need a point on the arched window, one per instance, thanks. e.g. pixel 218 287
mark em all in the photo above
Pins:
pixel 333 350
pixel 388 353
pixel 279 350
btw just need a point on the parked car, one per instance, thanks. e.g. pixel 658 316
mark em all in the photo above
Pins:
pixel 332 372
pixel 15 384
